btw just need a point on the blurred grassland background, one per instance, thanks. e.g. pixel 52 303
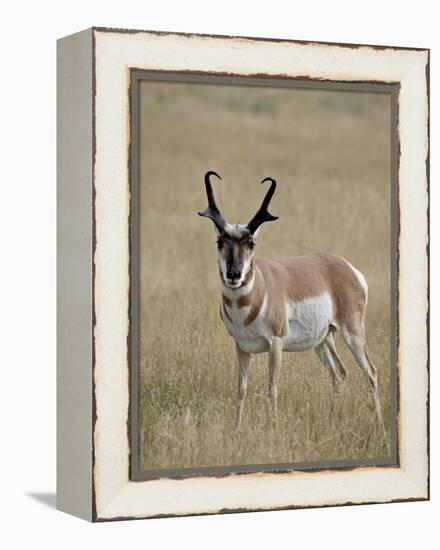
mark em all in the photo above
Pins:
pixel 330 154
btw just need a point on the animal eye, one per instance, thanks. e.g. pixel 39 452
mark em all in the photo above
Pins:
pixel 219 243
pixel 251 244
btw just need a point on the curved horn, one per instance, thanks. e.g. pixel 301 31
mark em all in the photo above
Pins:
pixel 263 215
pixel 212 212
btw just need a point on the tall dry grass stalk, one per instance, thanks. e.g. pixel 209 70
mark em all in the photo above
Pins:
pixel 330 153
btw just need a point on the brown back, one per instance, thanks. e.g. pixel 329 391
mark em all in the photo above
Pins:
pixel 299 277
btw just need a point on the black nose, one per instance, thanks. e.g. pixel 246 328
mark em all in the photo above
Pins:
pixel 233 274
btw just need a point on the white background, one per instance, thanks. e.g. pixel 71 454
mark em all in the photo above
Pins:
pixel 28 236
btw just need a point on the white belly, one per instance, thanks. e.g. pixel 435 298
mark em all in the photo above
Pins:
pixel 308 322
pixel 307 325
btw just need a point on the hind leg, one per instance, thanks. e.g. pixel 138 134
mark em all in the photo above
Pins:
pixel 355 339
pixel 326 352
pixel 342 371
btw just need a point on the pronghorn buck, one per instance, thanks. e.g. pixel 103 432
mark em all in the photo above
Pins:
pixel 290 304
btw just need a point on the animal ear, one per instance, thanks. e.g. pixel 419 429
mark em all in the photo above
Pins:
pixel 256 232
pixel 217 230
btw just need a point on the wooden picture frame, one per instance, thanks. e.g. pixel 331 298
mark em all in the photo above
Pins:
pixel 99 71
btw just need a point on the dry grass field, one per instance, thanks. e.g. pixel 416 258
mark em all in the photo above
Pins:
pixel 330 153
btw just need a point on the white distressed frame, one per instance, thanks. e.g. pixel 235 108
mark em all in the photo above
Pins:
pixel 115 496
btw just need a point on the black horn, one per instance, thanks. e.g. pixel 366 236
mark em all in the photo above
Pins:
pixel 263 214
pixel 212 212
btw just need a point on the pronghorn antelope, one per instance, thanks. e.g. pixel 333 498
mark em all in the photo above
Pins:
pixel 289 304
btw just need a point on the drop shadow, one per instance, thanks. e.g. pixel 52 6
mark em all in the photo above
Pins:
pixel 48 499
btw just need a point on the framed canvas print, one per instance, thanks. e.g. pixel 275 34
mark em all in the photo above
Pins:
pixel 242 274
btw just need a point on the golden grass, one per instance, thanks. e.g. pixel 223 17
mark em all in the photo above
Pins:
pixel 330 153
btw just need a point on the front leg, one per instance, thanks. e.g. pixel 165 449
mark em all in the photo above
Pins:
pixel 275 358
pixel 244 360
